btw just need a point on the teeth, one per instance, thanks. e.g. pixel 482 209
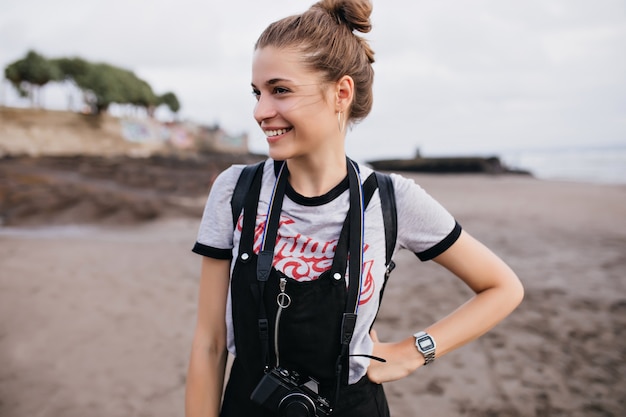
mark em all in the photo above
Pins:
pixel 275 132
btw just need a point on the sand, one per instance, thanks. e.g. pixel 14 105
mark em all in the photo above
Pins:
pixel 97 320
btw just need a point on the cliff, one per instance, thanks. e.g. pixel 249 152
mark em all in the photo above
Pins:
pixel 38 132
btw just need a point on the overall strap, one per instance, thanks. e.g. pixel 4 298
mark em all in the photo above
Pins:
pixel 355 232
pixel 266 253
pixel 272 221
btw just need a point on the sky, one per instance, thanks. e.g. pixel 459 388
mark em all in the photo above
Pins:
pixel 452 76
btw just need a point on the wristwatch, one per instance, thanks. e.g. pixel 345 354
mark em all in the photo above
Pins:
pixel 425 344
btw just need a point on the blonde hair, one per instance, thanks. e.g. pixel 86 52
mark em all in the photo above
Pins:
pixel 325 36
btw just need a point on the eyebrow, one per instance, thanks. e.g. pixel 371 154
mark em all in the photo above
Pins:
pixel 274 81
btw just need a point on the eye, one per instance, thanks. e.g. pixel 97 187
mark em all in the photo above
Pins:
pixel 281 90
pixel 256 93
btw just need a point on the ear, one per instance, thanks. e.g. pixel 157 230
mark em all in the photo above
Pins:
pixel 344 93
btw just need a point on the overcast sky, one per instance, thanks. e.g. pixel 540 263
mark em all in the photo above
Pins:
pixel 452 76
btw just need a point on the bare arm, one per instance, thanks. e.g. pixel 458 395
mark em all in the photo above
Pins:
pixel 498 293
pixel 205 377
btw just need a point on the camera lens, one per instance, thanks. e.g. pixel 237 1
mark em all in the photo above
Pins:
pixel 296 405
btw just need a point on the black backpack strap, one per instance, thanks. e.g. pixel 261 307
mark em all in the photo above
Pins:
pixel 390 223
pixel 390 217
pixel 241 189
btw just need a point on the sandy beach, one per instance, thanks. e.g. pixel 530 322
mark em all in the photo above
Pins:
pixel 97 319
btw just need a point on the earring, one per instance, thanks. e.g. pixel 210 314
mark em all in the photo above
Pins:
pixel 339 122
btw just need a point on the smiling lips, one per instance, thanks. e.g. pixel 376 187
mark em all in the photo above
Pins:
pixel 278 132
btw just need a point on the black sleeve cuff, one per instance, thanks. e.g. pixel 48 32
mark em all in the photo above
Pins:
pixel 211 252
pixel 442 246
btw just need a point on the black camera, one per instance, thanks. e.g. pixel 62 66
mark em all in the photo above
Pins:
pixel 289 394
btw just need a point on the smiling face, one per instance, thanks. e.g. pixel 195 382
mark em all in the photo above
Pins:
pixel 295 108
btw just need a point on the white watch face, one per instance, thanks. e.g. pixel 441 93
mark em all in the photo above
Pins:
pixel 426 343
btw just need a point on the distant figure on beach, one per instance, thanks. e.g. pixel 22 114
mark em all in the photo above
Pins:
pixel 296 250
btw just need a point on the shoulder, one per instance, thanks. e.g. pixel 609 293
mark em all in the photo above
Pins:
pixel 227 179
pixel 229 176
pixel 402 185
pixel 410 193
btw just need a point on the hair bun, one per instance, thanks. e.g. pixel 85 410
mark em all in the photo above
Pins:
pixel 353 13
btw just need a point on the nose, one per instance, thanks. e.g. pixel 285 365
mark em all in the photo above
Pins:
pixel 264 108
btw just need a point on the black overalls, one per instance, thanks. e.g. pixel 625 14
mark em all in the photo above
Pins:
pixel 309 329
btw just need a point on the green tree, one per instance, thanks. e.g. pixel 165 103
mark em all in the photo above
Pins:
pixel 31 73
pixel 102 84
pixel 139 93
pixel 70 68
pixel 171 101
pixel 105 84
pixel 99 86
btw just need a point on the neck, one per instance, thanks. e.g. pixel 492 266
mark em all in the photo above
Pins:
pixel 314 177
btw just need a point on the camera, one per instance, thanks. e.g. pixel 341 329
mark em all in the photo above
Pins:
pixel 289 394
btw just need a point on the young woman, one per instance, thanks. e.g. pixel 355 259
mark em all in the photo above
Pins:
pixel 276 284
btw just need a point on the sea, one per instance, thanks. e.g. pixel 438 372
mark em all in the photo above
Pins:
pixel 605 165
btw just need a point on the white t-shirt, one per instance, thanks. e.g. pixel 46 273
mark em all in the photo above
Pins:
pixel 308 233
